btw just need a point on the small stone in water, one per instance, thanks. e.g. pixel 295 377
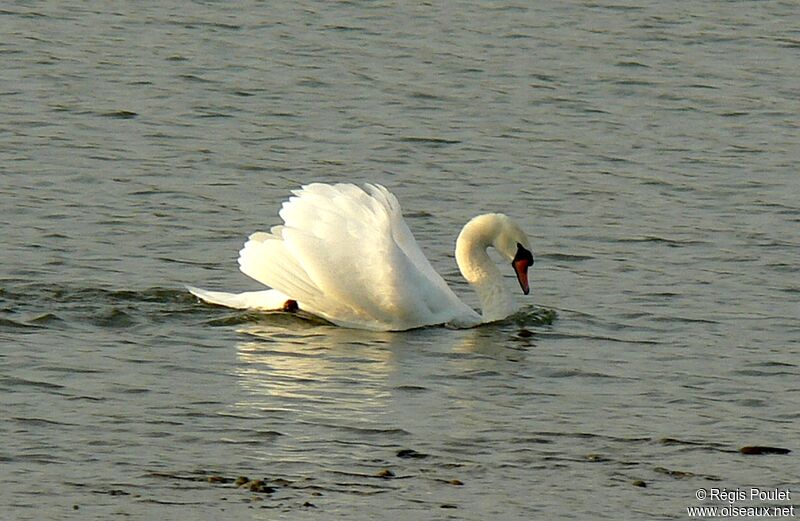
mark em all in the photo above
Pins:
pixel 259 486
pixel 597 457
pixel 678 474
pixel 410 453
pixel 759 449
pixel 639 483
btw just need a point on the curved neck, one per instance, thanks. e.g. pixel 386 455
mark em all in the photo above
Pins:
pixel 481 272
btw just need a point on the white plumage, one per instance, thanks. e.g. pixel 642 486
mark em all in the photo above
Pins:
pixel 346 254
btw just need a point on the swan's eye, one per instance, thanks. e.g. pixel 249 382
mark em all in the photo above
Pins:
pixel 523 255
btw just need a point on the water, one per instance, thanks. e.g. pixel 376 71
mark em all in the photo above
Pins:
pixel 650 150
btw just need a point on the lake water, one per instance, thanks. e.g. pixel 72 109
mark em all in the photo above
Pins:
pixel 650 150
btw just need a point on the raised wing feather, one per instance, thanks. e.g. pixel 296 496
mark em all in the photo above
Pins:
pixel 346 254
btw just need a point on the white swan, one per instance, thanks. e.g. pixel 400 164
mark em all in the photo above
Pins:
pixel 345 254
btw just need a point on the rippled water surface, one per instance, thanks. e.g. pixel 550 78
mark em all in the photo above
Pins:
pixel 650 150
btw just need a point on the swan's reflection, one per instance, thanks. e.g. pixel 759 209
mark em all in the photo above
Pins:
pixel 326 372
pixel 336 400
pixel 315 373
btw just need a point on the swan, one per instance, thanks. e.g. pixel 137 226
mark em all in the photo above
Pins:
pixel 345 253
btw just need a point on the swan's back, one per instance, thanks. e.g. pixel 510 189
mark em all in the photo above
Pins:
pixel 346 254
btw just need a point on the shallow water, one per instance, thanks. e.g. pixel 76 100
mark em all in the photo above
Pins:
pixel 650 151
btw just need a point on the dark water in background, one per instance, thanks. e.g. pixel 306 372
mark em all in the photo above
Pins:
pixel 650 150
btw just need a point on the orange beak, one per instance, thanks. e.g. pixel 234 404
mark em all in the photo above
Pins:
pixel 522 261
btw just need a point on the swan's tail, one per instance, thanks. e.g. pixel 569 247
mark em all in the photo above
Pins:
pixel 269 299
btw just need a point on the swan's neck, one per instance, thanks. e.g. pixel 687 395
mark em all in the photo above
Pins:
pixel 481 272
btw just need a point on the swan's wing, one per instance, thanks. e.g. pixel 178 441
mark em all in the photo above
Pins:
pixel 403 237
pixel 346 254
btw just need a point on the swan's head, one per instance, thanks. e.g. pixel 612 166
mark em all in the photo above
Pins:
pixel 501 232
pixel 512 243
